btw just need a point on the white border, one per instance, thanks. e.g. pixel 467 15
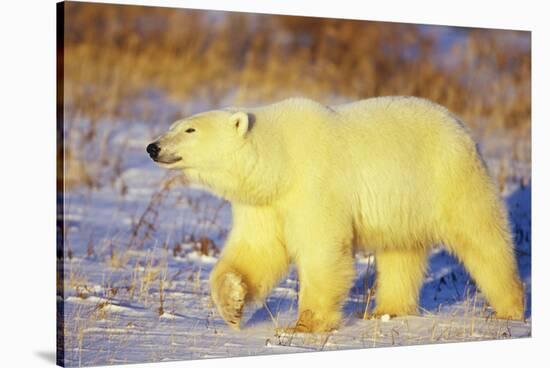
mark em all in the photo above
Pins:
pixel 27 67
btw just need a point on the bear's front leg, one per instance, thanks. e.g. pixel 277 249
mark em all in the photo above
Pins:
pixel 324 285
pixel 245 273
pixel 325 270
pixel 252 262
pixel 228 293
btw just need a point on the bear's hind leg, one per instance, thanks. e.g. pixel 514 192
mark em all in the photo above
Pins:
pixel 474 226
pixel 399 276
pixel 488 256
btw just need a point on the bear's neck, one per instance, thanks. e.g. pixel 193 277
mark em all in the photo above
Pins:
pixel 250 178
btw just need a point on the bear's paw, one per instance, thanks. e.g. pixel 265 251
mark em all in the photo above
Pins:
pixel 230 299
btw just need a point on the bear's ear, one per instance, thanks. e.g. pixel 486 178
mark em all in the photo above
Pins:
pixel 240 122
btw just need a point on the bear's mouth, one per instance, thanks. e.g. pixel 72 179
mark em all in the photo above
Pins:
pixel 167 161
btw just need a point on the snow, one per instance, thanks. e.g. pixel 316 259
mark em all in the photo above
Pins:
pixel 148 299
pixel 201 258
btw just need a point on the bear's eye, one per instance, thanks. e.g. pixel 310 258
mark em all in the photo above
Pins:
pixel 190 130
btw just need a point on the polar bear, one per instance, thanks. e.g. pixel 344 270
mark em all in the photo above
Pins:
pixel 310 183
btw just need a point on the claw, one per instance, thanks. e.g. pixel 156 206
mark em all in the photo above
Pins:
pixel 230 298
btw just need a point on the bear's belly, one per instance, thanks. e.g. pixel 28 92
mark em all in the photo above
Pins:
pixel 394 232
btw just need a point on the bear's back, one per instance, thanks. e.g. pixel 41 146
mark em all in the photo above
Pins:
pixel 402 125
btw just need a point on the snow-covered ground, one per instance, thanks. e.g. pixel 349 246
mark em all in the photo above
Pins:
pixel 138 253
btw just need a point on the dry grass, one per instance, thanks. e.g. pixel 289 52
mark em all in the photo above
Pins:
pixel 122 61
pixel 145 225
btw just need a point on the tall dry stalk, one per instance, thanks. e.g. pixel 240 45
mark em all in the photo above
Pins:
pixel 123 62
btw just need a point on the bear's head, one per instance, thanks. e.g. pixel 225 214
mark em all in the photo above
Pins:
pixel 201 142
pixel 209 147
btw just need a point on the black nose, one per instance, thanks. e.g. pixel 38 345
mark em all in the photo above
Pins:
pixel 153 150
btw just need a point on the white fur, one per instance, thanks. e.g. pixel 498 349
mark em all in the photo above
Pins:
pixel 307 182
